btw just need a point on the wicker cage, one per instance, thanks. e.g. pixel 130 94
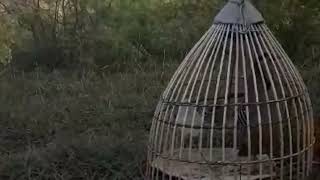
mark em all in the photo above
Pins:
pixel 236 108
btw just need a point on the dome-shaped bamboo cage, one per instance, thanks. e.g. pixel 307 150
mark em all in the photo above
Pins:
pixel 236 108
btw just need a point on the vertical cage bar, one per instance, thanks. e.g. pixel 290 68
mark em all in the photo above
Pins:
pixel 306 120
pixel 262 75
pixel 217 90
pixel 303 89
pixel 246 98
pixel 258 28
pixel 256 94
pixel 214 53
pixel 236 90
pixel 287 115
pixel 194 77
pixel 180 89
pixel 205 54
pixel 176 98
pixel 226 98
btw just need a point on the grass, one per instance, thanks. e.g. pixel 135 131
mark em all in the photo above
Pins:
pixel 78 125
pixel 82 124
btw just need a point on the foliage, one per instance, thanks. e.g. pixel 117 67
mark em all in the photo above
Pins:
pixel 100 32
pixel 80 78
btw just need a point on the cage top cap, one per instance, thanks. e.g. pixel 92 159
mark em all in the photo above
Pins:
pixel 239 12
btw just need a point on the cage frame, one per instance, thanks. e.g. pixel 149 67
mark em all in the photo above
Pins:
pixel 237 35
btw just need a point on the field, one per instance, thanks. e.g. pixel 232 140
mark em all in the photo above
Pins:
pixel 80 79
pixel 82 125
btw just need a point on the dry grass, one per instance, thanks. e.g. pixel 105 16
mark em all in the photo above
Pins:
pixel 80 125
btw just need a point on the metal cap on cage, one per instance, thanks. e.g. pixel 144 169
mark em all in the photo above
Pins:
pixel 239 12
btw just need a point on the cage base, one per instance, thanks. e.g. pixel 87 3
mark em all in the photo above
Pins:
pixel 202 170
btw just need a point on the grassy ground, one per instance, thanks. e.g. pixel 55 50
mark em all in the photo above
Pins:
pixel 80 125
pixel 77 125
